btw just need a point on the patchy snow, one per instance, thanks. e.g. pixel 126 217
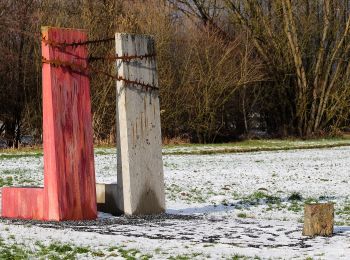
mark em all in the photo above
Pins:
pixel 219 205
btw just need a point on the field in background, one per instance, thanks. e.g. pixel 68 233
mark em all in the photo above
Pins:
pixel 234 147
pixel 220 204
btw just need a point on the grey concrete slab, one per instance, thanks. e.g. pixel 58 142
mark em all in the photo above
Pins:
pixel 140 165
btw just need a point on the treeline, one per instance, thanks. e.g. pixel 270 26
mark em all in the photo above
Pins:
pixel 226 67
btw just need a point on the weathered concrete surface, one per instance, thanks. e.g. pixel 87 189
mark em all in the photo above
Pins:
pixel 69 191
pixel 106 195
pixel 140 165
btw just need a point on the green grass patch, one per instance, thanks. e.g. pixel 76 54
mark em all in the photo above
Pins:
pixel 13 251
pixel 187 256
pixel 311 200
pixel 56 250
pixel 102 152
pixel 233 147
pixel 242 257
pixel 295 207
pixel 15 177
pixel 260 197
pixel 242 215
pixel 295 196
pixel 20 155
pixel 256 145
pixel 7 181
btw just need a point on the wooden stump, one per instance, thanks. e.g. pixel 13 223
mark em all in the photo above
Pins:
pixel 318 219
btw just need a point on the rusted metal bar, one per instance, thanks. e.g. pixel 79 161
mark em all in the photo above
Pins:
pixel 88 70
pixel 125 57
pixel 75 44
pixel 72 66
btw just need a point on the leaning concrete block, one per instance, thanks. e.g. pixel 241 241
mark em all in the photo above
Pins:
pixel 140 165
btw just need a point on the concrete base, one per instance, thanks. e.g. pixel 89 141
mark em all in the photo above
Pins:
pixel 107 198
pixel 23 203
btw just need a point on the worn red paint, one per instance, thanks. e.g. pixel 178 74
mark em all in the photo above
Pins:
pixel 69 191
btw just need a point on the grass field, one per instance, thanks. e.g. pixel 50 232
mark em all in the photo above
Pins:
pixel 234 147
pixel 227 201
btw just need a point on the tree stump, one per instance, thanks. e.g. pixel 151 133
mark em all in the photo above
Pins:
pixel 318 219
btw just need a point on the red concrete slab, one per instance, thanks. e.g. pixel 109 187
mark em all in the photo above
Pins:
pixel 26 203
pixel 69 176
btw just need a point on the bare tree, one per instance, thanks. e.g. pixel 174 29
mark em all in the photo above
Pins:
pixel 319 68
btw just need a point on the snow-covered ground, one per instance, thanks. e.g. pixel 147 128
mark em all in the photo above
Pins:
pixel 236 206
